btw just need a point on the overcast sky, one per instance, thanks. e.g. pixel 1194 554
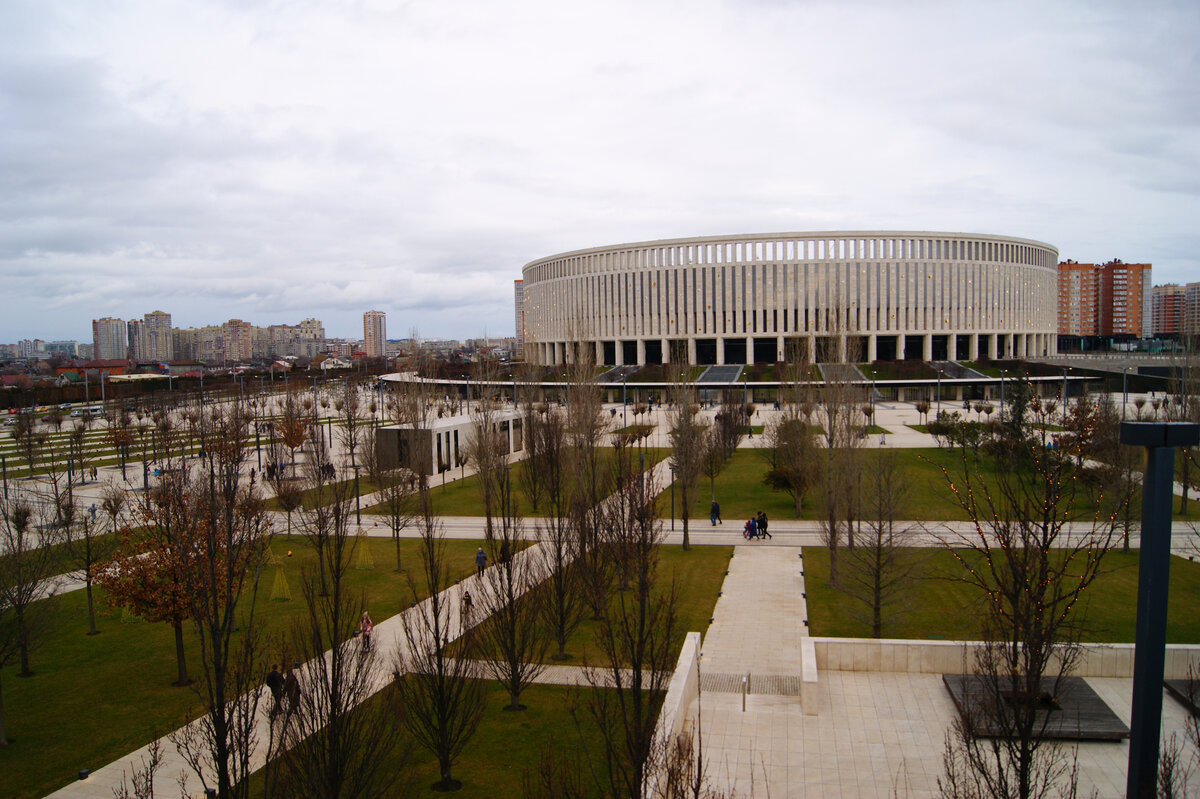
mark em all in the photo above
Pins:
pixel 271 161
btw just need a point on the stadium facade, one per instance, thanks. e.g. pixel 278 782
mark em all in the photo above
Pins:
pixel 825 296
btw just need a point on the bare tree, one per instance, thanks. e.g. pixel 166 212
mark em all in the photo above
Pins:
pixel 26 571
pixel 722 439
pixel 1031 571
pixel 635 639
pixel 487 448
pixel 397 491
pixel 336 745
pixel 91 542
pixel 219 532
pixel 511 640
pixel 687 437
pixel 841 418
pixel 793 458
pixel 29 440
pixel 441 695
pixel 883 567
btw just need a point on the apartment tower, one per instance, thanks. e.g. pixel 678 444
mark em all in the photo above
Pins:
pixel 374 333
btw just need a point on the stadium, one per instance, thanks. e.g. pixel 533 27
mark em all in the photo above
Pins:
pixel 858 296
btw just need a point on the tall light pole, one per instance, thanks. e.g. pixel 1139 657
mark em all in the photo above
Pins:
pixel 1124 391
pixel 939 390
pixel 624 402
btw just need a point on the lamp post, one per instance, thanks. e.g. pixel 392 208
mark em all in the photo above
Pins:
pixel 672 497
pixel 357 503
pixel 623 402
pixel 1150 639
pixel 939 390
pixel 1124 391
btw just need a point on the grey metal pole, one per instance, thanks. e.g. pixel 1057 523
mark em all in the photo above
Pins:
pixel 1150 639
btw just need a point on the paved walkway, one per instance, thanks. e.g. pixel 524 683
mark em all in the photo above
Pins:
pixel 876 734
pixel 389 639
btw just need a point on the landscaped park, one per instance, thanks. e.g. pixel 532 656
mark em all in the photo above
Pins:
pixel 891 493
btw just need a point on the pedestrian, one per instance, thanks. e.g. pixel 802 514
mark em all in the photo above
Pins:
pixel 92 511
pixel 480 561
pixel 365 626
pixel 762 526
pixel 505 553
pixel 466 605
pixel 275 682
pixel 751 529
pixel 714 513
pixel 93 473
pixel 291 689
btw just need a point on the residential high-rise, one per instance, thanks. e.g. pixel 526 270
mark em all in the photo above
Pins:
pixel 519 305
pixel 1167 310
pixel 239 340
pixel 1111 299
pixel 1190 320
pixel 155 339
pixel 374 333
pixel 109 342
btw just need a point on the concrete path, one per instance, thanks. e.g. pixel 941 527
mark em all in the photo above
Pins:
pixel 389 639
pixel 874 734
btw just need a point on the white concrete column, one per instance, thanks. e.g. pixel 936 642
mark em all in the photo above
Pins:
pixel 720 351
pixel 666 350
pixel 749 349
pixel 973 347
pixel 780 355
pixel 952 347
pixel 691 349
pixel 641 352
pixel 994 346
pixel 872 347
pixel 927 347
pixel 900 344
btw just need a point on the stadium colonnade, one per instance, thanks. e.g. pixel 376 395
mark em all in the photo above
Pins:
pixel 761 298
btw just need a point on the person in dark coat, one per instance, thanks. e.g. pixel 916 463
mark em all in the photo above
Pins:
pixel 480 560
pixel 275 682
pixel 714 513
pixel 762 525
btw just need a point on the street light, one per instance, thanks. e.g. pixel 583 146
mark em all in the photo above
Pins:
pixel 623 401
pixel 1125 391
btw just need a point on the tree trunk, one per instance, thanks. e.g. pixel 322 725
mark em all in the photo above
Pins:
pixel 180 660
pixel 3 736
pixel 23 644
pixel 396 536
pixel 91 609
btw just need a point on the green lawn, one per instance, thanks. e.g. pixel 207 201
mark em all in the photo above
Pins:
pixel 461 497
pixel 698 573
pixel 1112 601
pixel 93 699
pixel 505 747
pixel 740 490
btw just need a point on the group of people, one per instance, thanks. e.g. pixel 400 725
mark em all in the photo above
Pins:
pixel 756 527
pixel 285 690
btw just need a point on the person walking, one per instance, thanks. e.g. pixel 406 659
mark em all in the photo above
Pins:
pixel 365 628
pixel 762 526
pixel 466 606
pixel 714 513
pixel 751 529
pixel 291 690
pixel 275 682
pixel 480 561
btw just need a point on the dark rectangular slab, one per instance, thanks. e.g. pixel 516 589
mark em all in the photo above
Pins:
pixel 1187 692
pixel 1081 714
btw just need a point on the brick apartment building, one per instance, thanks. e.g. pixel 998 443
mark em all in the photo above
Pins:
pixel 1107 300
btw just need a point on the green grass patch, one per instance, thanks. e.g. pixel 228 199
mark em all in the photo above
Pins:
pixel 121 678
pixel 698 574
pixel 1111 602
pixel 462 497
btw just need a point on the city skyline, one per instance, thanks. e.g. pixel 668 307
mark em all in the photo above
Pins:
pixel 413 160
